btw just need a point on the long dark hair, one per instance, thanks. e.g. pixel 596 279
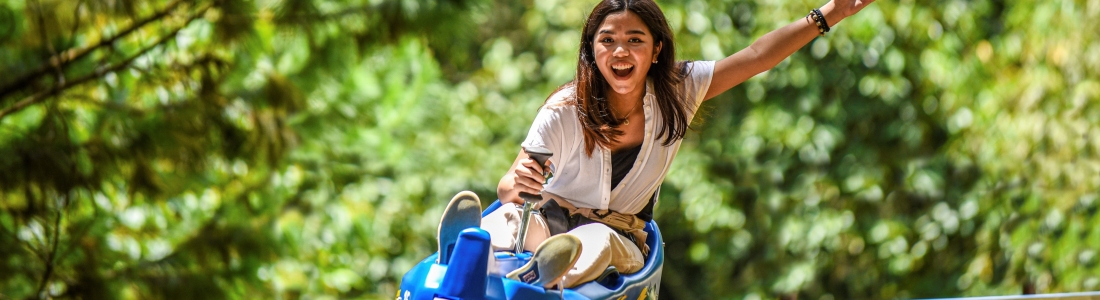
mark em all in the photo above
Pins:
pixel 593 110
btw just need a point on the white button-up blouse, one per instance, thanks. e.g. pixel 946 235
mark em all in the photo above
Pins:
pixel 585 181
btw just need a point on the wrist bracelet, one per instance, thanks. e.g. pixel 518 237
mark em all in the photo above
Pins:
pixel 819 19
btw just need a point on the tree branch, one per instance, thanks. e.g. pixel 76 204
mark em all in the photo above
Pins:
pixel 43 95
pixel 52 255
pixel 83 231
pixel 49 44
pixel 62 60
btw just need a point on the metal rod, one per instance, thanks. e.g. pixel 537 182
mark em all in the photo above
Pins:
pixel 528 207
pixel 1075 296
pixel 540 155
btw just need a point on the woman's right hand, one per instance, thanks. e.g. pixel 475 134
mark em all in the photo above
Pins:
pixel 524 176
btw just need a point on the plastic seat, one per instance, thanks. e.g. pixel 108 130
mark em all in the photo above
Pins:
pixel 472 278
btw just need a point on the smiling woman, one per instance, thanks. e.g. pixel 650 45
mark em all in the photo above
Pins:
pixel 614 131
pixel 626 50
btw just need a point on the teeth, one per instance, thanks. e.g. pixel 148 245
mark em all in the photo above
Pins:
pixel 621 67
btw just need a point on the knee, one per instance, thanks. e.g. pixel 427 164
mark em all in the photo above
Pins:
pixel 593 234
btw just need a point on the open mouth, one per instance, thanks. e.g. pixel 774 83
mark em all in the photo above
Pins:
pixel 622 70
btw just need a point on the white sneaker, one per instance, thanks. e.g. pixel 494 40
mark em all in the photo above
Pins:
pixel 464 211
pixel 553 258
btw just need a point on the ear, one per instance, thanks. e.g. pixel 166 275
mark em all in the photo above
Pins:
pixel 657 50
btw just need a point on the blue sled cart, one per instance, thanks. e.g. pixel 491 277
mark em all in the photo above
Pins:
pixel 475 272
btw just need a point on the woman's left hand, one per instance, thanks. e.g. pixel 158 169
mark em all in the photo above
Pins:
pixel 846 8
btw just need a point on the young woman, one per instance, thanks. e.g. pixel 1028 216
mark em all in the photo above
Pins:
pixel 614 131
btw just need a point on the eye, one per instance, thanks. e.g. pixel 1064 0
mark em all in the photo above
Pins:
pixel 605 40
pixel 635 40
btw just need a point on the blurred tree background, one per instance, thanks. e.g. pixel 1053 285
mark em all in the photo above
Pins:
pixel 304 148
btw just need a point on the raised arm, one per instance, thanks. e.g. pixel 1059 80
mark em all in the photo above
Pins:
pixel 775 46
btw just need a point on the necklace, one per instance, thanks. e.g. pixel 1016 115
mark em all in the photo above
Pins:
pixel 626 119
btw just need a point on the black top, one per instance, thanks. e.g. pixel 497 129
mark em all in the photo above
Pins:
pixel 621 163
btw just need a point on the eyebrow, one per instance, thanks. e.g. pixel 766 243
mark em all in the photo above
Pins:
pixel 632 31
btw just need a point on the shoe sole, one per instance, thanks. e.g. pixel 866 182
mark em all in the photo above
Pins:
pixel 464 211
pixel 553 258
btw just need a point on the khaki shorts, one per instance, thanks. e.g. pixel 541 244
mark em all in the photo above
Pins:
pixel 602 247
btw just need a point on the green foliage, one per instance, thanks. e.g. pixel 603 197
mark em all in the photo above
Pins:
pixel 300 148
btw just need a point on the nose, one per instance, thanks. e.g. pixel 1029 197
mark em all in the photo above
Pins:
pixel 619 51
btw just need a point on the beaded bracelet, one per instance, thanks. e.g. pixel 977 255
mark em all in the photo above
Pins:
pixel 819 19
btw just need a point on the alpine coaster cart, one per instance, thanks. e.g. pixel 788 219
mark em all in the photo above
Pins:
pixel 472 271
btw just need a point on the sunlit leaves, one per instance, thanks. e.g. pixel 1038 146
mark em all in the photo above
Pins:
pixel 300 148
